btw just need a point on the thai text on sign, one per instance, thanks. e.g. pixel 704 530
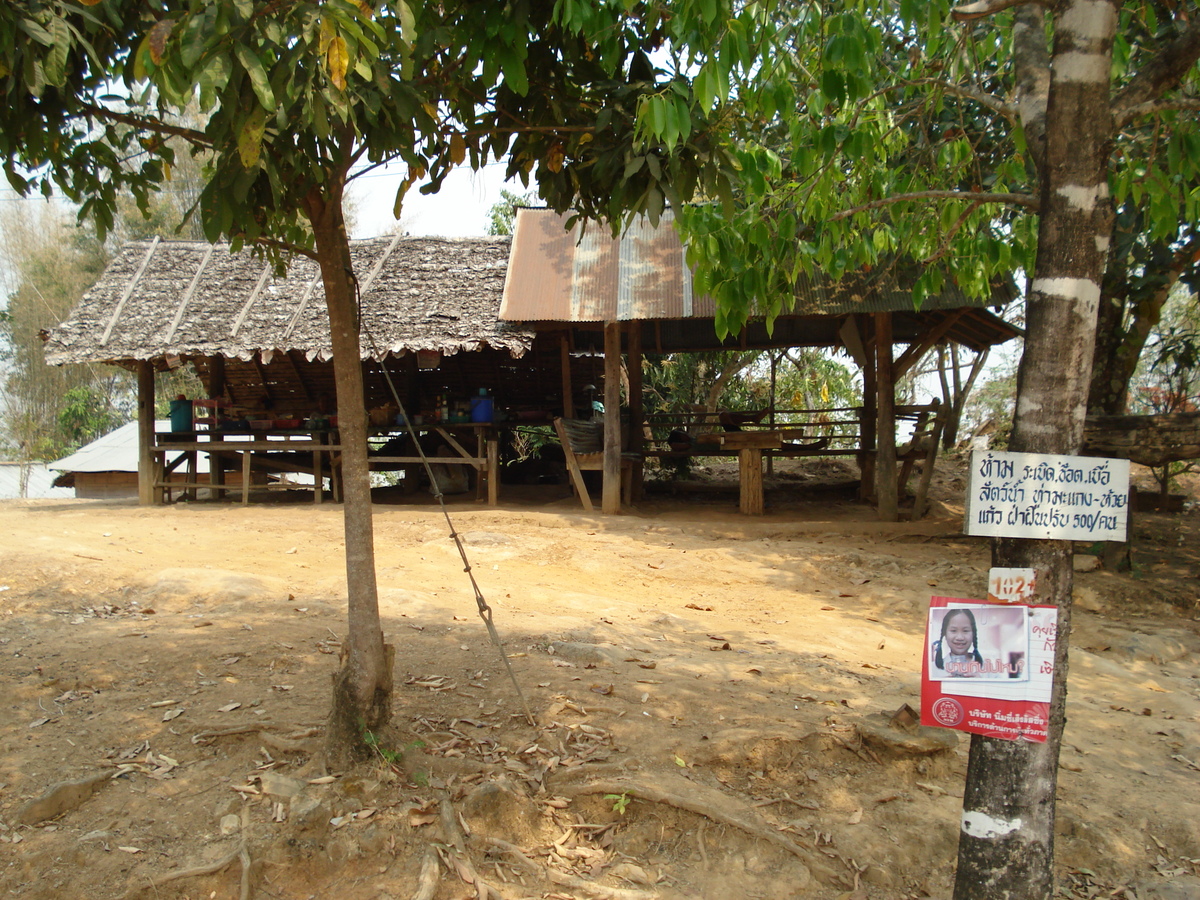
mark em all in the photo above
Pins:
pixel 1047 496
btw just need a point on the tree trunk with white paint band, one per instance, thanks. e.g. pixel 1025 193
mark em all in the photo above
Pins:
pixel 1006 847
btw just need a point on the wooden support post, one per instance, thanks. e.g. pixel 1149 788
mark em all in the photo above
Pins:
pixel 147 492
pixel 216 388
pixel 493 471
pixel 568 390
pixel 771 420
pixel 637 413
pixel 610 499
pixel 750 479
pixel 867 424
pixel 246 455
pixel 886 487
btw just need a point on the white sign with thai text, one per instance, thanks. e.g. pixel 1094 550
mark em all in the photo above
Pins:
pixel 1047 496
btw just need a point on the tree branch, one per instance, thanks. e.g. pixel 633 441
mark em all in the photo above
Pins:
pixel 983 98
pixel 1164 72
pixel 954 229
pixel 1027 200
pixel 286 247
pixel 191 135
pixel 982 8
pixel 1153 107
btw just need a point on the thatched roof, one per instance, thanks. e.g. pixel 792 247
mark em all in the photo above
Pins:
pixel 174 298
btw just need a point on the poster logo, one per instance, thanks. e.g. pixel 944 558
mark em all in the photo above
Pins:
pixel 947 712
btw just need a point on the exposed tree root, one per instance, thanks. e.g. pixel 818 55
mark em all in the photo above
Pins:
pixel 604 892
pixel 292 743
pixel 241 854
pixel 458 859
pixel 704 801
pixel 427 883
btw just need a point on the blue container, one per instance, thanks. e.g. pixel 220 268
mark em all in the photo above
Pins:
pixel 181 415
pixel 481 408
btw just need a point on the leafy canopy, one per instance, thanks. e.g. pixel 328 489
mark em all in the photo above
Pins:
pixel 879 132
pixel 301 95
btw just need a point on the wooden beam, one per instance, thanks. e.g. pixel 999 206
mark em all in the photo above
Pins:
pixel 853 341
pixel 564 354
pixel 145 418
pixel 216 388
pixel 116 316
pixel 299 377
pixel 868 422
pixel 636 410
pixel 886 488
pixel 917 349
pixel 610 500
pixel 188 294
pixel 262 376
pixel 249 304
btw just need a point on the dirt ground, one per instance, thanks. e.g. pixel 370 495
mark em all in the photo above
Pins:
pixel 711 695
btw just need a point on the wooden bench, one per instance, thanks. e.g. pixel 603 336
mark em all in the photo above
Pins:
pixel 583 448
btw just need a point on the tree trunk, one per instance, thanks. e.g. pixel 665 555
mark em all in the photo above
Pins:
pixel 362 688
pixel 1119 343
pixel 1006 846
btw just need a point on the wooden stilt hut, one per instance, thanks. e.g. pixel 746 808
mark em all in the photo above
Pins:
pixel 634 293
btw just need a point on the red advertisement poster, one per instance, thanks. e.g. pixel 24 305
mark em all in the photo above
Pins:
pixel 988 668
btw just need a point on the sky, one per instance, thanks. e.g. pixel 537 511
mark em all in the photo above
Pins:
pixel 459 209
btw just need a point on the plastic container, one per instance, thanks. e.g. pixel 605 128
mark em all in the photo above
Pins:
pixel 181 414
pixel 481 407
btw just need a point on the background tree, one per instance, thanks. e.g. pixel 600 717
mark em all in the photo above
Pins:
pixel 49 263
pixel 1167 379
pixel 502 214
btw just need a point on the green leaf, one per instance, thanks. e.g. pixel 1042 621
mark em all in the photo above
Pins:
pixel 35 31
pixel 250 138
pixel 193 41
pixel 213 78
pixel 35 78
pixel 408 22
pixel 258 75
pixel 55 65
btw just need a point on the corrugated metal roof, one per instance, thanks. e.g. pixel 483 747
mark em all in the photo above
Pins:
pixel 116 451
pixel 556 275
pixel 560 275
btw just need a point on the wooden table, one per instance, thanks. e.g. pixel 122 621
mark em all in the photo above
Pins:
pixel 246 444
pixel 749 446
